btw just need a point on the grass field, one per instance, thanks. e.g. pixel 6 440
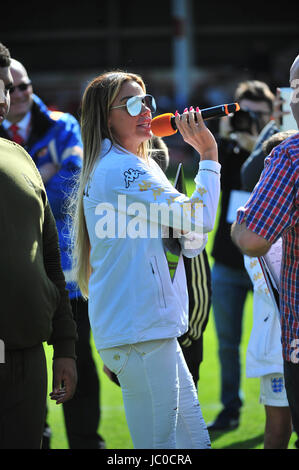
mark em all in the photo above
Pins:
pixel 250 433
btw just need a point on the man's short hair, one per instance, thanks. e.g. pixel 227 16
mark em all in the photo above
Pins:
pixel 275 140
pixel 4 56
pixel 254 90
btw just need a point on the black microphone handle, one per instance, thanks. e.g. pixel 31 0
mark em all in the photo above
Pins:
pixel 211 113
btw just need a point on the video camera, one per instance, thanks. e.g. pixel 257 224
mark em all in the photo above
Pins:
pixel 245 120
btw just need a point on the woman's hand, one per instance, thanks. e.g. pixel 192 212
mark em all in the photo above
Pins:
pixel 197 134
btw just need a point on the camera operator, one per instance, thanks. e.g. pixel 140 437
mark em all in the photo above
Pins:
pixel 254 165
pixel 230 281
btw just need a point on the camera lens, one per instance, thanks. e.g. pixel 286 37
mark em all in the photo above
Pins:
pixel 242 121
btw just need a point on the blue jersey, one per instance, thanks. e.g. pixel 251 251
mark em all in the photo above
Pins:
pixel 56 138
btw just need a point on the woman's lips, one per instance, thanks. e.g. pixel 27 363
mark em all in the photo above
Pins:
pixel 146 124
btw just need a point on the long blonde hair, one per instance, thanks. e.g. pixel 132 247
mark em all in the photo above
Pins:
pixel 96 103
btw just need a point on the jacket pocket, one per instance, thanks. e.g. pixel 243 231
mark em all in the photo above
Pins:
pixel 158 281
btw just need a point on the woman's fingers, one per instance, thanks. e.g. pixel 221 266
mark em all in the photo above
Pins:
pixel 189 120
pixel 195 133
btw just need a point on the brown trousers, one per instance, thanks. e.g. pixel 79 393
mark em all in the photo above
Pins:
pixel 23 392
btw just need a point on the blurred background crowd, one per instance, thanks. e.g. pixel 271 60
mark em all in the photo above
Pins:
pixel 190 52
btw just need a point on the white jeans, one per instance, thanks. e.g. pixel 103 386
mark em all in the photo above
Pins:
pixel 160 398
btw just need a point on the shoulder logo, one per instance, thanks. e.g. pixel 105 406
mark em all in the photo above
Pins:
pixel 55 115
pixel 131 175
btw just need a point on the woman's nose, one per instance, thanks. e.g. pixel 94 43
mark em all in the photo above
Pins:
pixel 145 109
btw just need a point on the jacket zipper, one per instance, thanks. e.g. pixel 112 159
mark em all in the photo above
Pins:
pixel 158 280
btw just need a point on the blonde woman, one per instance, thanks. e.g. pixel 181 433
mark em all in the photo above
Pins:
pixel 136 311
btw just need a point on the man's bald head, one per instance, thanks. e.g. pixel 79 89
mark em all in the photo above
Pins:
pixel 17 67
pixel 296 62
pixel 294 82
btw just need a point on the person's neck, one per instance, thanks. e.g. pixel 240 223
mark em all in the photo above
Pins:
pixel 128 147
pixel 15 119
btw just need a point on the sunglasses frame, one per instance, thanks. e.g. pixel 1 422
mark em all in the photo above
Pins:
pixel 21 87
pixel 152 107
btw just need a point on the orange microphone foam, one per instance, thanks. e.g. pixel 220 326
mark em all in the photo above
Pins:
pixel 162 125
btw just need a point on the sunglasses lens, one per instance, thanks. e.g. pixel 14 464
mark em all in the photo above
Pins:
pixel 134 104
pixel 23 86
pixel 150 102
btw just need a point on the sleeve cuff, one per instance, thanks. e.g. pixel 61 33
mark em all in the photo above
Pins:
pixel 210 165
pixel 241 215
pixel 64 349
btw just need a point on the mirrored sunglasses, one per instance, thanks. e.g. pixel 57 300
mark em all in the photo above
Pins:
pixel 21 87
pixel 134 104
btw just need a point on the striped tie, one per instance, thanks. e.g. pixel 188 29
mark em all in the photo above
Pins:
pixel 15 134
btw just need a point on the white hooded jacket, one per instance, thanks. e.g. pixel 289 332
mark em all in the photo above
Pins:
pixel 131 295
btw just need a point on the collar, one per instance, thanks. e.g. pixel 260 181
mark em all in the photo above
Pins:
pixel 23 125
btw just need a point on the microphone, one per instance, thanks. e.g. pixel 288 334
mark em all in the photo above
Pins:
pixel 164 125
